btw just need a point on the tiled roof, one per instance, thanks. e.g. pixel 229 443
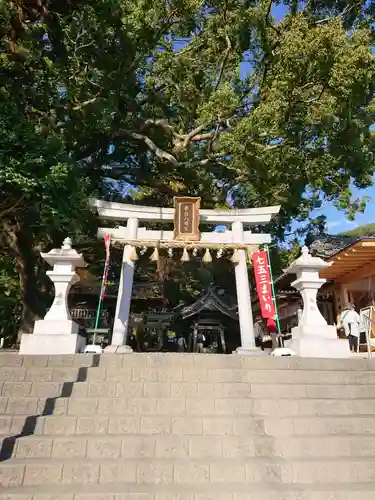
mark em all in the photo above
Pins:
pixel 210 299
pixel 326 246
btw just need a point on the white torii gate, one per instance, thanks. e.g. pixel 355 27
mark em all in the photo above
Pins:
pixel 133 214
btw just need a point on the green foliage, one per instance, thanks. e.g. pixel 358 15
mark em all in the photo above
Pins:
pixel 203 99
pixel 10 299
pixel 43 190
pixel 294 130
pixel 315 228
pixel 282 256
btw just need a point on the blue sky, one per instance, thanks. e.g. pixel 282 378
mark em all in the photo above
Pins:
pixel 337 221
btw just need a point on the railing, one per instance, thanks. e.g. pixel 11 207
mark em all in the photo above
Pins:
pixel 368 323
pixel 87 317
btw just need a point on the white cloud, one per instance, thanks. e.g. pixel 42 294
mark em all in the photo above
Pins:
pixel 341 225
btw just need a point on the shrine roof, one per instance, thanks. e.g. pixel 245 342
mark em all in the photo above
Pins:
pixel 283 281
pixel 352 263
pixel 209 300
pixel 348 256
pixel 326 246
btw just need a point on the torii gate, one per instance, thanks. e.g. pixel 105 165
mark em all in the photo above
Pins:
pixel 134 235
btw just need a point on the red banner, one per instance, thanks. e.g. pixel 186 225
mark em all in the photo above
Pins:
pixel 107 245
pixel 263 284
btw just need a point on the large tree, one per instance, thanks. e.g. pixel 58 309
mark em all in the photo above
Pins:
pixel 179 97
pixel 263 111
pixel 66 70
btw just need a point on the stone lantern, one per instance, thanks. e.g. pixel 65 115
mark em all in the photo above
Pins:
pixel 57 333
pixel 313 338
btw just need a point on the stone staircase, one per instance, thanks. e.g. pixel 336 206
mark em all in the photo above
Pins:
pixel 186 427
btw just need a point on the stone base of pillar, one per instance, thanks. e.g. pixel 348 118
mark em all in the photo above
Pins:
pixel 54 327
pixel 317 342
pixel 93 349
pixel 118 349
pixel 249 351
pixel 53 337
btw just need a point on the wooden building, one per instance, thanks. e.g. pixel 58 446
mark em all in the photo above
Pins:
pixel 352 271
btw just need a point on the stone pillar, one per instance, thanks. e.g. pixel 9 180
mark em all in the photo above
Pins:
pixel 245 312
pixel 121 323
pixel 57 333
pixel 313 338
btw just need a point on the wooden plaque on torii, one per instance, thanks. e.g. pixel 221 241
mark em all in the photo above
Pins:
pixel 186 218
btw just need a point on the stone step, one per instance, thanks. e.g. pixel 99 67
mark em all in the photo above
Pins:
pixel 185 389
pixel 184 374
pixel 147 425
pixel 174 359
pixel 186 427
pixel 258 407
pixel 180 447
pixel 174 425
pixel 230 491
pixel 35 472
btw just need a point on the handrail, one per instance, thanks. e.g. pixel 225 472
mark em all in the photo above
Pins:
pixel 369 321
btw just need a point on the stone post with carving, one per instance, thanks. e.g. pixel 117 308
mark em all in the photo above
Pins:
pixel 57 333
pixel 313 338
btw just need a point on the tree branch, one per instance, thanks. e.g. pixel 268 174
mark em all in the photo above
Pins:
pixel 83 104
pixel 159 123
pixel 181 142
pixel 10 209
pixel 164 155
pixel 265 59
pixel 269 147
pixel 189 46
pixel 191 135
pixel 314 99
pixel 268 23
pixel 347 9
pixel 223 62
pixel 207 161
pixel 160 153
pixel 204 137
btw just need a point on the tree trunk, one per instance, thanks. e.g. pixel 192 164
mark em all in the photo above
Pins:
pixel 35 287
pixel 26 263
pixel 32 307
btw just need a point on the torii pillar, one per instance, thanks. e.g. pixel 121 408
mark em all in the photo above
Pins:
pixel 245 313
pixel 125 288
